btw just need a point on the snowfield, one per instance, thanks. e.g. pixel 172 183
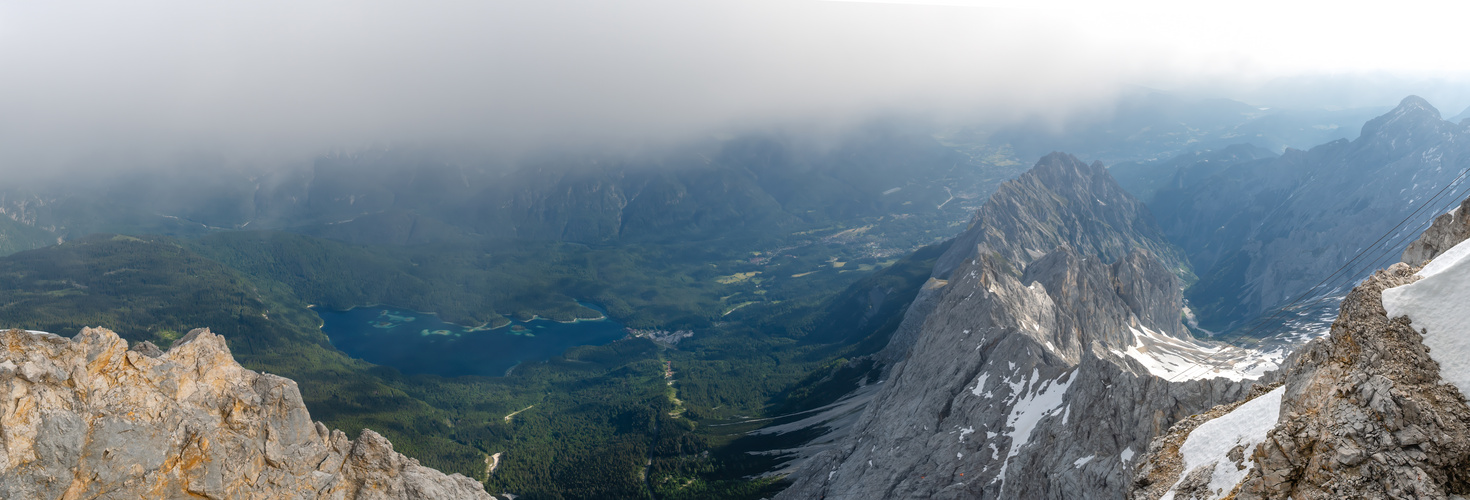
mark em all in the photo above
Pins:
pixel 1177 360
pixel 1439 305
pixel 1212 441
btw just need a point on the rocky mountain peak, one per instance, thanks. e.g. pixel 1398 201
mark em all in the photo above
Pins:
pixel 1060 201
pixel 91 417
pixel 1039 366
pixel 1411 125
pixel 1061 170
pixel 1415 104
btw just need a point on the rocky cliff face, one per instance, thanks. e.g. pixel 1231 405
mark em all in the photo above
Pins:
pixel 89 417
pixel 1367 412
pixel 1447 231
pixel 1260 233
pixel 1042 365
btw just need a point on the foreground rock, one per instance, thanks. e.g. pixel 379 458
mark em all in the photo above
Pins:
pixel 88 417
pixel 1368 412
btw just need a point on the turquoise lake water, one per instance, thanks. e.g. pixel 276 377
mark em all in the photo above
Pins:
pixel 416 342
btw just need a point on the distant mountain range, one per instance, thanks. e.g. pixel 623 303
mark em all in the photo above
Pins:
pixel 1146 125
pixel 1041 364
pixel 1262 231
pixel 755 184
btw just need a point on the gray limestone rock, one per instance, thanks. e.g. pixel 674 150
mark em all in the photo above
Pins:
pixel 907 332
pixel 1061 201
pixel 1446 231
pixel 91 418
pixel 1013 391
pixel 1365 412
pixel 1034 370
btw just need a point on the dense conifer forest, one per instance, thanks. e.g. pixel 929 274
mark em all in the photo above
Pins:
pixel 591 423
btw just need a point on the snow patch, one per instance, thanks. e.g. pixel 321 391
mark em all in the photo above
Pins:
pixel 1211 442
pixel 1127 455
pixel 1436 304
pixel 1083 461
pixel 980 385
pixel 1017 388
pixel 1031 409
pixel 1446 260
pixel 1177 359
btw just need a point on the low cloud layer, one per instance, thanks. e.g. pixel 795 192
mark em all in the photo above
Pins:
pixel 91 81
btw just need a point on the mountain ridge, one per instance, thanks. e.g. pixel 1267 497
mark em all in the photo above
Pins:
pixel 1036 377
pixel 1262 232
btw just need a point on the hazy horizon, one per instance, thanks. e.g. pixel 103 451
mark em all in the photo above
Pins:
pixel 95 83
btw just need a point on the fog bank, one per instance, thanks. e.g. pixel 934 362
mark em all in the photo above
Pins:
pixel 106 83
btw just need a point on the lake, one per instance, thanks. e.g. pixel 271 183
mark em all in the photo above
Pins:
pixel 415 342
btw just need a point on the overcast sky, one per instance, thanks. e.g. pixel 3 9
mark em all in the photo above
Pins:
pixel 89 79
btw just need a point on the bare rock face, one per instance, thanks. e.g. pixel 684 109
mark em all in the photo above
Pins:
pixel 1015 389
pixel 1365 413
pixel 88 417
pixel 1042 364
pixel 1368 415
pixel 908 330
pixel 1447 231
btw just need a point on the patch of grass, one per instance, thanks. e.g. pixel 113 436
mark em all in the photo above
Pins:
pixel 736 278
